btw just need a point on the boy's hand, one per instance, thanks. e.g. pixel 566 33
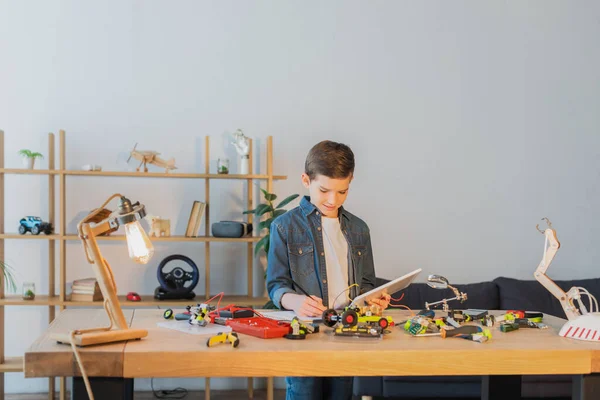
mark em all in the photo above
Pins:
pixel 303 305
pixel 383 301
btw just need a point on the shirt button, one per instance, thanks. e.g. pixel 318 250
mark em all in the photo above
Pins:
pixel 318 228
pixel 324 280
pixel 359 253
pixel 300 251
pixel 322 254
pixel 317 213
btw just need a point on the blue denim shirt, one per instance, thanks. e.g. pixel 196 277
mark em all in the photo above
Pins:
pixel 296 253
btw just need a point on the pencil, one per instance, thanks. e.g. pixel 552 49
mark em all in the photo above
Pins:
pixel 302 290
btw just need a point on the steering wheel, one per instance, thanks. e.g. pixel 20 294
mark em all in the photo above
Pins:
pixel 178 274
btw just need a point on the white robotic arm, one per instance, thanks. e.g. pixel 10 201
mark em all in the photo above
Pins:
pixel 581 323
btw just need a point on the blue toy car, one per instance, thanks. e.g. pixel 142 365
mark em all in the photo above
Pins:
pixel 35 225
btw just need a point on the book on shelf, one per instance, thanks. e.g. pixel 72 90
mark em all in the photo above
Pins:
pixel 86 290
pixel 193 226
pixel 87 297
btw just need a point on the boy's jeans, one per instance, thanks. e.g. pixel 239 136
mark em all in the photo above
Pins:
pixel 338 388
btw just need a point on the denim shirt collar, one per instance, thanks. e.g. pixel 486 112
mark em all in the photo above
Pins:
pixel 308 208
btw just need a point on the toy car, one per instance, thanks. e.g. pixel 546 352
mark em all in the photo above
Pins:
pixel 35 225
pixel 133 296
pixel 359 331
pixel 357 315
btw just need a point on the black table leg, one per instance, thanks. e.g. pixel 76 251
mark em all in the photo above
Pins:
pixel 586 387
pixel 103 388
pixel 501 387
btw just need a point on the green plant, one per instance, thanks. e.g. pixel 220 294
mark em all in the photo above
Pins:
pixel 8 277
pixel 30 154
pixel 271 212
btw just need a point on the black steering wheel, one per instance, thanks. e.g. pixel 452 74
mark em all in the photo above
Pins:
pixel 178 274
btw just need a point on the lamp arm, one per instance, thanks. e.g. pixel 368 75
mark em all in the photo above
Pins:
pixel 550 249
pixel 99 229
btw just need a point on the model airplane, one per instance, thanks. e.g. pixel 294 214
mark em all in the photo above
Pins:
pixel 151 157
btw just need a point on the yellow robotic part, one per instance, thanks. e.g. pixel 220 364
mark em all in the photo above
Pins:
pixel 224 337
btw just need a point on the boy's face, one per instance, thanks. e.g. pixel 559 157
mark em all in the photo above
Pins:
pixel 327 194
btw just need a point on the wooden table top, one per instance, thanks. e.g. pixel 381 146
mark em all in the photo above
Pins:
pixel 169 353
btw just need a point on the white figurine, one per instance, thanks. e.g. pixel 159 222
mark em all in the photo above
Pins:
pixel 159 227
pixel 242 145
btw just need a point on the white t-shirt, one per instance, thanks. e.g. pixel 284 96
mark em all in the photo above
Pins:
pixel 336 261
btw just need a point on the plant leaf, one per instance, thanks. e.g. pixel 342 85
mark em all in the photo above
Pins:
pixel 249 211
pixel 261 243
pixel 8 277
pixel 270 196
pixel 265 224
pixel 264 192
pixel 262 208
pixel 287 200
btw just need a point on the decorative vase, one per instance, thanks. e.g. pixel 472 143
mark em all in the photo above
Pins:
pixel 244 165
pixel 28 162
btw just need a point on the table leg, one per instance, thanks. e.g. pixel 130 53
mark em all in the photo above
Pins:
pixel 586 387
pixel 270 388
pixel 500 387
pixel 103 388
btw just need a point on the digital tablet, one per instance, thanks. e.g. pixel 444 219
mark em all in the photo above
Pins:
pixel 389 288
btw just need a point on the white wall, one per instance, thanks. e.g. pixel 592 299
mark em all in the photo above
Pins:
pixel 470 121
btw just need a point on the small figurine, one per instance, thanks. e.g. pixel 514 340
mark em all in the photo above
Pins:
pixel 241 143
pixel 159 227
pixel 35 225
pixel 151 157
pixel 199 314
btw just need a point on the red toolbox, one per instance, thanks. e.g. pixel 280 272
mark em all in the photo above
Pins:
pixel 261 327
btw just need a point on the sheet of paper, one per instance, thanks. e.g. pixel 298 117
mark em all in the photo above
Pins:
pixel 287 316
pixel 186 327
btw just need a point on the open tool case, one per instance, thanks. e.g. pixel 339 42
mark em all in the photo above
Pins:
pixel 260 327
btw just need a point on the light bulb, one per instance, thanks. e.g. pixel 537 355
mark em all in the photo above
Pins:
pixel 139 246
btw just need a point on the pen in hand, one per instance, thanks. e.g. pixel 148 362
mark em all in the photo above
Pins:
pixel 306 293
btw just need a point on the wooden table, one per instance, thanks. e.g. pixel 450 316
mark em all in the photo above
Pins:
pixel 168 353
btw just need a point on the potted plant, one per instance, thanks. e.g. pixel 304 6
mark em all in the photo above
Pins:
pixel 267 208
pixel 8 277
pixel 29 157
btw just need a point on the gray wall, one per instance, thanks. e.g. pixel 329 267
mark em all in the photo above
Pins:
pixel 470 121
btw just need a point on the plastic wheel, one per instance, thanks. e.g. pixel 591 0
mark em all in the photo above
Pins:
pixel 168 314
pixel 22 230
pixel 35 230
pixel 330 317
pixel 383 323
pixel 349 318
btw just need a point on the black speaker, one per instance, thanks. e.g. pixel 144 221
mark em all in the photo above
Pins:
pixel 231 229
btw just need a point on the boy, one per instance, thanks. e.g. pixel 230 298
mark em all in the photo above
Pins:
pixel 323 249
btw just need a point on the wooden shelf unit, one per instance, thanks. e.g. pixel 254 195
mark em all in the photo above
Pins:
pixel 57 296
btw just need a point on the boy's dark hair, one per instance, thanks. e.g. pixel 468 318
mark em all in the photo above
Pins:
pixel 331 159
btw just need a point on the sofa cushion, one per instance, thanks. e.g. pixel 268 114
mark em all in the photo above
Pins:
pixel 531 295
pixel 482 295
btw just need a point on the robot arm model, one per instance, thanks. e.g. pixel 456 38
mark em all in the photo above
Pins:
pixel 568 299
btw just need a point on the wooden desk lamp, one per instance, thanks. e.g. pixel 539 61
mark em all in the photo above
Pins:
pixel 140 250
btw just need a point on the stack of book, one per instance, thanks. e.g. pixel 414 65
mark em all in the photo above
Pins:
pixel 86 290
pixel 196 214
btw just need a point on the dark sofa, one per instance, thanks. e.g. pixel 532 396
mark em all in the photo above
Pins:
pixel 500 294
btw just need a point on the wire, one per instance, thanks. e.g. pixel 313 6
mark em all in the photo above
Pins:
pixel 398 299
pixel 177 393
pixel 342 292
pixel 86 381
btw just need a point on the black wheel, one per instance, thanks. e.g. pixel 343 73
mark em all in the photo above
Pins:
pixel 48 231
pixel 168 314
pixel 330 317
pixel 35 230
pixel 350 318
pixel 22 230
